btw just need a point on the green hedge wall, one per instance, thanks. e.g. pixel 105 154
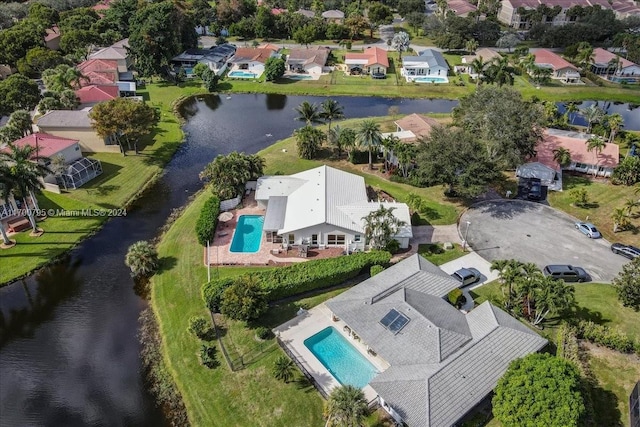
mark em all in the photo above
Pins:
pixel 208 220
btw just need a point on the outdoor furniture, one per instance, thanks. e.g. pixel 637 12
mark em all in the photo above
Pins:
pixel 18 224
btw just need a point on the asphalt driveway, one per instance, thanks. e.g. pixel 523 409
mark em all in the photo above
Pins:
pixel 533 232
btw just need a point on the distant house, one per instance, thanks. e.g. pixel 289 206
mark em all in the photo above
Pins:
pixel 271 46
pixel 216 58
pixel 76 125
pixel 429 63
pixel 440 362
pixel 249 59
pixel 561 69
pixel 336 16
pixel 311 60
pixel 104 72
pixel 408 130
pixel 322 207
pixel 486 54
pixel 118 53
pixel 461 8
pixel 306 13
pixel 94 94
pixel 581 159
pixel 52 38
pixel 614 67
pixel 372 61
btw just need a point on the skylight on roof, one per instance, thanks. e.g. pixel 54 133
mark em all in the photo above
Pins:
pixel 394 321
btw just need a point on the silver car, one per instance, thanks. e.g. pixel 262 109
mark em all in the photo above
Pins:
pixel 588 229
pixel 626 251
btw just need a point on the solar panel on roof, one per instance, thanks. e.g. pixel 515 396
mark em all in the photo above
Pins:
pixel 398 324
pixel 389 318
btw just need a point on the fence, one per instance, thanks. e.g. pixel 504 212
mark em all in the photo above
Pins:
pixel 304 371
pixel 227 205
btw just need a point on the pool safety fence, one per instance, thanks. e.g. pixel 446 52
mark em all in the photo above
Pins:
pixel 300 366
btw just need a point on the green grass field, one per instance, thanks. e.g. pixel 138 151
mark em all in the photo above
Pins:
pixel 435 253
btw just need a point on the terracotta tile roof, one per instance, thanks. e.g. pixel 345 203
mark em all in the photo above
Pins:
pixel 577 146
pixel 277 11
pixel 269 46
pixel 461 7
pixel 252 54
pixel 544 56
pixel 603 56
pixel 98 72
pixel 52 33
pixel 419 125
pixel 97 93
pixel 99 65
pixel 48 145
pixel 373 55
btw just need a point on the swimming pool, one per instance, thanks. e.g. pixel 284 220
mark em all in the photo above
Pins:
pixel 242 74
pixel 298 77
pixel 431 80
pixel 248 234
pixel 341 359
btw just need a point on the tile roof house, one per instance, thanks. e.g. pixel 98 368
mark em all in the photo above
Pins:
pixel 98 71
pixel 116 53
pixel 442 362
pixel 76 125
pixel 306 13
pixel 582 160
pixel 251 59
pixel 485 53
pixel 333 15
pixel 372 60
pixel 561 69
pixel 609 64
pixel 310 60
pixel 322 207
pixel 461 7
pixel 52 38
pixel 408 130
pixel 216 58
pixel 94 94
pixel 428 63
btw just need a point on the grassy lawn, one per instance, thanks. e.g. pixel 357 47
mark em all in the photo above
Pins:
pixel 250 396
pixel 123 178
pixel 604 198
pixel 436 253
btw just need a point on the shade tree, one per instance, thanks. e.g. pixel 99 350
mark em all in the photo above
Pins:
pixel 627 284
pixel 244 299
pixel 18 92
pixel 228 174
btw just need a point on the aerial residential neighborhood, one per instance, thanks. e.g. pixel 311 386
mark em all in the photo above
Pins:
pixel 336 213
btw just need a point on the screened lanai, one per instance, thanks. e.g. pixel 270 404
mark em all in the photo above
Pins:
pixel 80 171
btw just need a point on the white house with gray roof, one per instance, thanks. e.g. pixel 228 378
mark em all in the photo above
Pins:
pixel 442 362
pixel 429 63
pixel 322 207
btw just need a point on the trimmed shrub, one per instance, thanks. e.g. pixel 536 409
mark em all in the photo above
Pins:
pixel 456 298
pixel 198 326
pixel 393 246
pixel 264 333
pixel 244 300
pixel 322 273
pixel 208 356
pixel 212 293
pixel 606 337
pixel 358 157
pixel 208 220
pixel 375 269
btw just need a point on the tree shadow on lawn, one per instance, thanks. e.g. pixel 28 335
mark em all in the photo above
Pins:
pixel 605 406
pixel 161 155
pixel 571 181
pixel 507 210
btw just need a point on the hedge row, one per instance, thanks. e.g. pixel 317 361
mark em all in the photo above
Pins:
pixel 607 337
pixel 322 273
pixel 208 220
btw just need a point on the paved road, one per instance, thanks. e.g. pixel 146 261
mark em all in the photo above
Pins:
pixel 533 232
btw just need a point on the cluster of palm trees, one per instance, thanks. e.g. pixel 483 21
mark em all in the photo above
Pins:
pixel 527 292
pixel 497 71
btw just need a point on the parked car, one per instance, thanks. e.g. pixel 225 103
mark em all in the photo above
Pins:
pixel 467 276
pixel 588 229
pixel 568 273
pixel 535 191
pixel 626 251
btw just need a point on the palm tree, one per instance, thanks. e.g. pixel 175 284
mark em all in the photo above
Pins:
pixel 509 270
pixel 346 407
pixel 471 45
pixel 141 258
pixel 308 113
pixel 62 77
pixel 571 107
pixel 331 110
pixel 283 369
pixel 585 55
pixel 562 156
pixel 6 184
pixel 500 71
pixel 400 42
pixel 380 226
pixel 613 65
pixel 26 175
pixel 528 62
pixel 478 65
pixel 552 297
pixel 597 144
pixel 620 219
pixel 615 122
pixel 630 204
pixel 369 136
pixel 592 114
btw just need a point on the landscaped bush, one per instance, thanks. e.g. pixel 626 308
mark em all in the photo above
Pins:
pixel 212 293
pixel 358 157
pixel 393 246
pixel 244 300
pixel 198 326
pixel 322 273
pixel 456 298
pixel 607 337
pixel 208 220
pixel 264 333
pixel 375 269
pixel 208 356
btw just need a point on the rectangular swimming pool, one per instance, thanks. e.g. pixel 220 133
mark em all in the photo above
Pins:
pixel 248 234
pixel 431 80
pixel 242 74
pixel 341 359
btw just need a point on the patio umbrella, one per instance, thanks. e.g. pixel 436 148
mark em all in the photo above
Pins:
pixel 225 216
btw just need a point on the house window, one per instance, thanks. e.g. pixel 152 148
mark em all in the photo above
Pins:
pixel 314 239
pixel 357 238
pixel 335 239
pixel 292 238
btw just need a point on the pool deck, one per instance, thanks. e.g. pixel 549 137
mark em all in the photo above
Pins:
pixel 295 331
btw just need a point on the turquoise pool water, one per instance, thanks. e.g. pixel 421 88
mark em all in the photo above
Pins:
pixel 431 80
pixel 242 74
pixel 248 234
pixel 340 358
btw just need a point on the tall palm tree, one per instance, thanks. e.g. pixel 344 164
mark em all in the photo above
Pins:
pixel 613 65
pixel 380 226
pixel 528 62
pixel 620 219
pixel 62 77
pixel 509 270
pixel 552 297
pixel 597 144
pixel 562 157
pixel 369 136
pixel 478 65
pixel 283 369
pixel 308 113
pixel 615 122
pixel 331 110
pixel 471 45
pixel 26 175
pixel 571 107
pixel 346 407
pixel 500 71
pixel 400 42
pixel 592 114
pixel 585 55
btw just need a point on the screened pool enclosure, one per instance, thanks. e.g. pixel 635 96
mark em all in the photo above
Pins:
pixel 79 172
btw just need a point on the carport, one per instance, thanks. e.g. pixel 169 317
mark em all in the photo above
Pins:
pixel 549 177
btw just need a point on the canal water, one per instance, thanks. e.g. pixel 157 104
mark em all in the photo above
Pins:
pixel 69 355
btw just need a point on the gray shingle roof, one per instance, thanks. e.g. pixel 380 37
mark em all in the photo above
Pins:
pixel 431 57
pixel 443 362
pixel 65 119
